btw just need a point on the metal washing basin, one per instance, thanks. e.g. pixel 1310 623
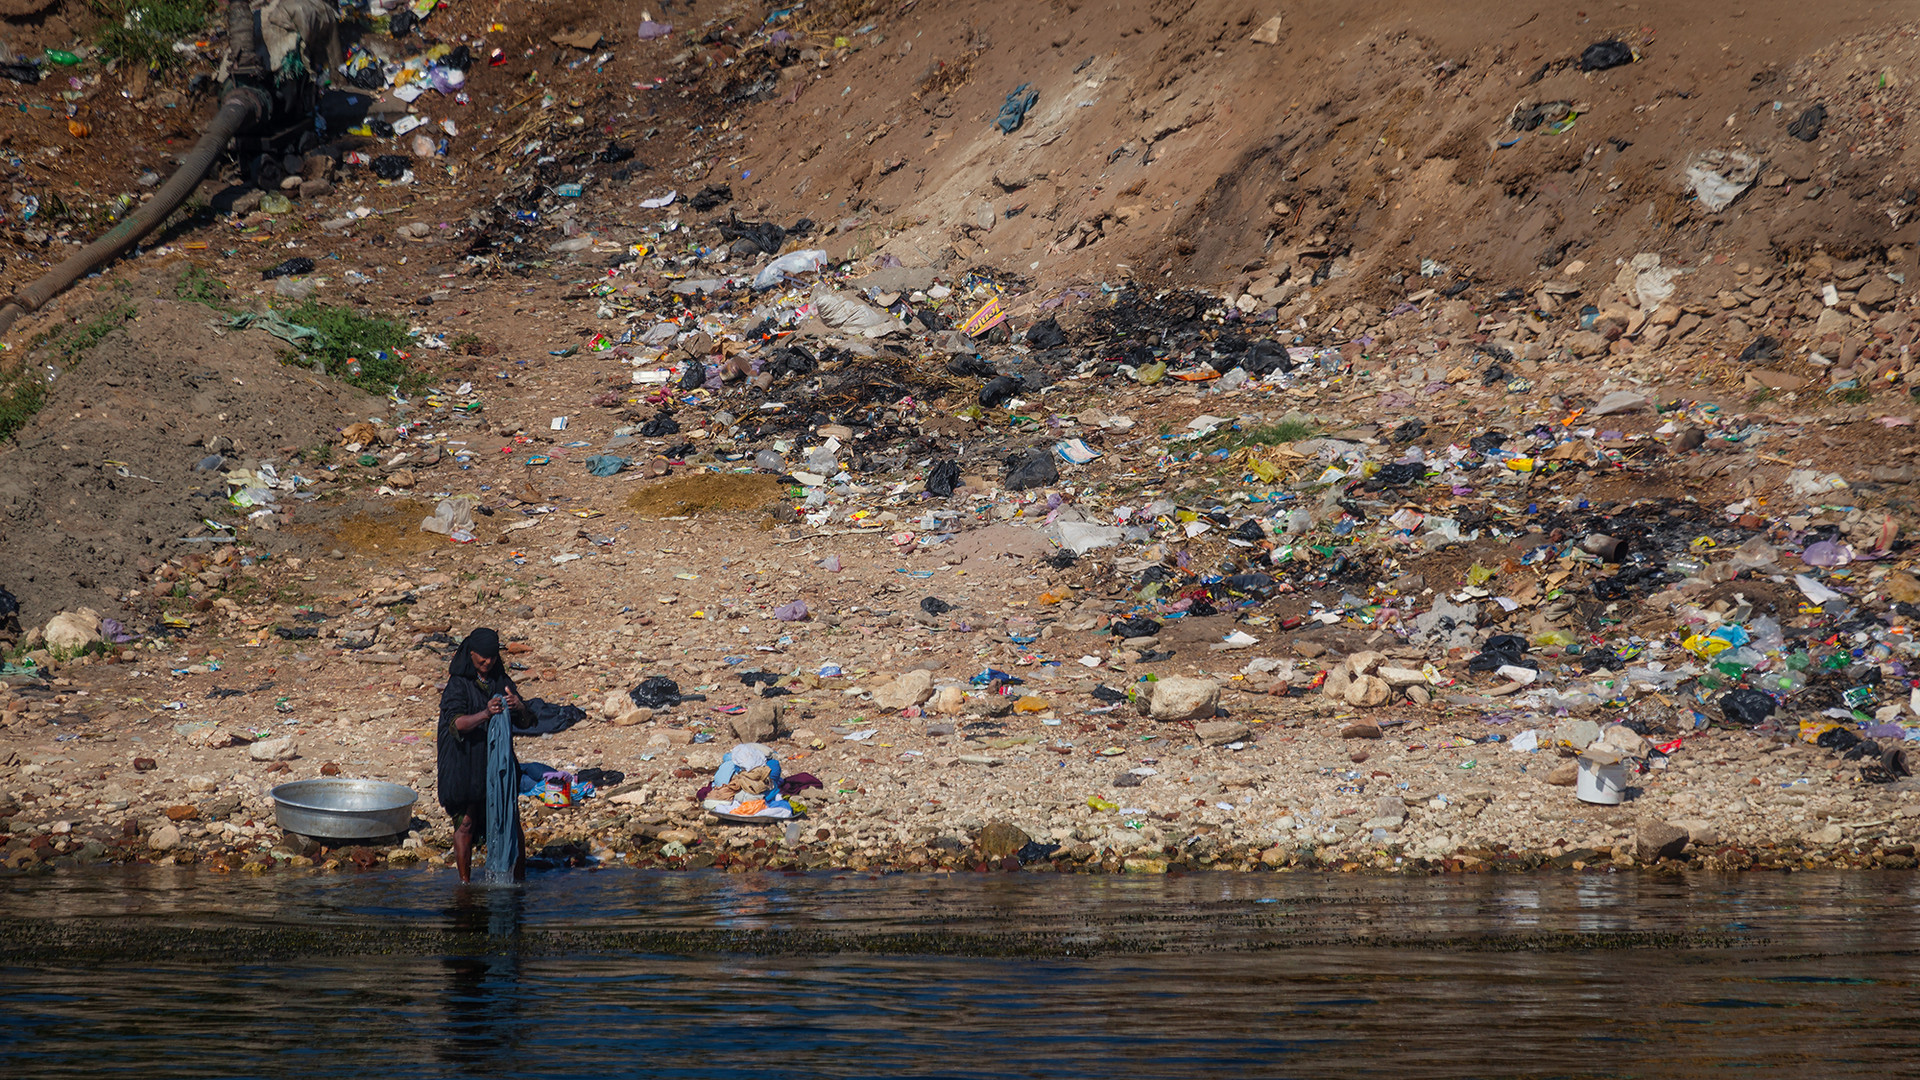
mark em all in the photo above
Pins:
pixel 338 809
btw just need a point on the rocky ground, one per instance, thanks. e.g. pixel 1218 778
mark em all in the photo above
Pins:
pixel 1335 540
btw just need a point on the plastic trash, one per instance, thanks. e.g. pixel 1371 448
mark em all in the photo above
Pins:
pixel 769 461
pixel 449 516
pixel 651 30
pixel 291 268
pixel 1135 627
pixel 1807 127
pixel 1602 55
pixel 999 391
pixel 1081 537
pixel 1827 553
pixel 793 612
pixel 942 478
pixel 1718 177
pixel 1014 112
pixel 1030 469
pixel 606 464
pixel 1747 707
pixel 655 692
pixel 793 263
pixel 842 312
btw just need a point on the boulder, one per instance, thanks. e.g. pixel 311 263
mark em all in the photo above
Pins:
pixel 1180 697
pixel 1655 840
pixel 1220 732
pixel 1001 839
pixel 1368 692
pixel 280 749
pixel 1565 774
pixel 906 690
pixel 71 631
pixel 164 838
pixel 1361 729
pixel 759 724
pixel 1398 677
pixel 630 717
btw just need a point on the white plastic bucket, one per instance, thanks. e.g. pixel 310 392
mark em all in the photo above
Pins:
pixel 1605 784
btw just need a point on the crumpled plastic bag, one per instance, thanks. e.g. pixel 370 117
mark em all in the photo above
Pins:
pixel 810 261
pixel 1717 177
pixel 1081 537
pixel 450 516
pixel 845 313
pixel 606 464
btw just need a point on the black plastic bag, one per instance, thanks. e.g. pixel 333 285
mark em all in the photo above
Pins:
pixel 21 72
pixel 1031 469
pixel 293 267
pixel 1602 55
pixel 401 23
pixel 970 367
pixel 1841 739
pixel 1409 431
pixel 1761 348
pixel 655 692
pixel 1250 531
pixel 614 154
pixel 9 604
pixel 711 197
pixel 661 424
pixel 943 478
pixel 1747 707
pixel 933 605
pixel 1109 695
pixel 1807 127
pixel 1045 334
pixel 1137 626
pixel 459 59
pixel 388 166
pixel 999 391
pixel 694 377
pixel 1251 584
pixel 1399 473
pixel 1502 650
pixel 764 235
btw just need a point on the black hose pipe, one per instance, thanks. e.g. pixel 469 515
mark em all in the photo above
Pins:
pixel 242 105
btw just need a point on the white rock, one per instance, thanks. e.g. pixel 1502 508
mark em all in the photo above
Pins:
pixel 1180 697
pixel 908 688
pixel 280 749
pixel 165 837
pixel 71 631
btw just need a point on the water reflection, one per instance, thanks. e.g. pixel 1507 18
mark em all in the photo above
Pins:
pixel 481 1012
pixel 408 974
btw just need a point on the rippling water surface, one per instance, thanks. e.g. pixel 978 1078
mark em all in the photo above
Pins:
pixel 159 973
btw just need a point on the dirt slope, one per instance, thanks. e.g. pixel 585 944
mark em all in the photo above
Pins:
pixel 1167 140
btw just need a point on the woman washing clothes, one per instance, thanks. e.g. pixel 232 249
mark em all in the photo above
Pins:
pixel 476 676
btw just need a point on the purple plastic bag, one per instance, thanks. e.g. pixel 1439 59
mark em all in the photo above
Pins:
pixel 793 612
pixel 650 30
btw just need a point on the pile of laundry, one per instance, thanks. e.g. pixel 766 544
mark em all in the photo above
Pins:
pixel 748 784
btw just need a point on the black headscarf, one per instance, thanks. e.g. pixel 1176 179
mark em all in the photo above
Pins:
pixel 485 642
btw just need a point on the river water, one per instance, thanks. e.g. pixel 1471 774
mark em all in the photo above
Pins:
pixel 172 973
